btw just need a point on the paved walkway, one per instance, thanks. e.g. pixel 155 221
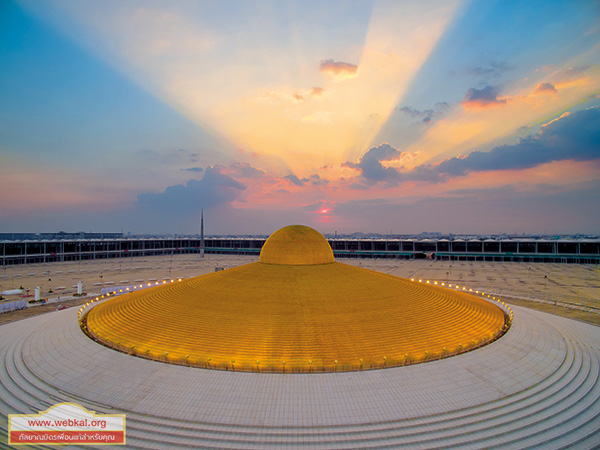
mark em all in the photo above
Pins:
pixel 537 387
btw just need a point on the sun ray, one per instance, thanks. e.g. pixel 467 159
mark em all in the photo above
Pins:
pixel 306 108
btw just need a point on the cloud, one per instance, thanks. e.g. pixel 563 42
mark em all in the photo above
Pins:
pixel 570 74
pixel 545 88
pixel 563 115
pixel 294 179
pixel 314 92
pixel 491 70
pixel 322 209
pixel 244 170
pixel 316 180
pixel 213 190
pixel 572 136
pixel 415 112
pixel 173 156
pixel 370 166
pixel 294 97
pixel 320 206
pixel 193 169
pixel 427 115
pixel 339 70
pixel 482 98
pixel 575 136
pixel 358 186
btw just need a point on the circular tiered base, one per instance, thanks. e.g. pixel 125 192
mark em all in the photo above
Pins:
pixel 537 387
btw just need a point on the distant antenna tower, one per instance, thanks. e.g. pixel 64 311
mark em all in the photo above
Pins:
pixel 202 233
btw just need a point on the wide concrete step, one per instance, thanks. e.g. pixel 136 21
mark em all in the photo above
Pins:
pixel 513 416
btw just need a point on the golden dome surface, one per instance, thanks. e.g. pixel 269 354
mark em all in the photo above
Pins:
pixel 296 245
pixel 305 317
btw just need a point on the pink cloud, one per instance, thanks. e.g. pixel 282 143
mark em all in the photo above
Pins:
pixel 338 69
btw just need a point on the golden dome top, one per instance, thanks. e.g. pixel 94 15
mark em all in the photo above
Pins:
pixel 296 245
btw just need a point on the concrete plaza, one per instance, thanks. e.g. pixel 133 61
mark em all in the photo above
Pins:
pixel 572 283
pixel 536 387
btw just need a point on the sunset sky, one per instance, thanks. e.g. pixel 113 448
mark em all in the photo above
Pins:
pixel 387 117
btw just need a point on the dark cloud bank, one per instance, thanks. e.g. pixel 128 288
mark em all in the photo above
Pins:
pixel 214 189
pixel 573 136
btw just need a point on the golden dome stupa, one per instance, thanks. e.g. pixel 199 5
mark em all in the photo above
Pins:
pixel 295 310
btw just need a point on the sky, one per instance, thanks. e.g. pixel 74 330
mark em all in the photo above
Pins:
pixel 392 117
